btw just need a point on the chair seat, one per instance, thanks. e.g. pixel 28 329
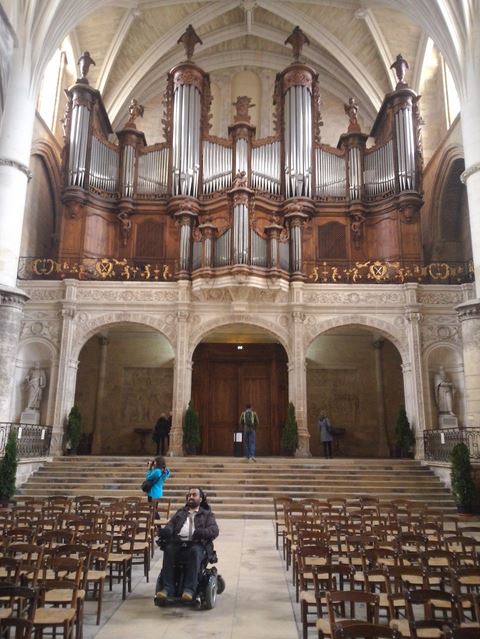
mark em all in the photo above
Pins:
pixel 469 580
pixel 308 596
pixel 62 595
pixel 5 613
pixel 53 616
pixel 115 557
pixel 96 575
pixel 401 625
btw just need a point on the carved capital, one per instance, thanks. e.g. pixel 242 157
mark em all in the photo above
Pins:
pixel 183 206
pixel 12 297
pixel 413 316
pixel 469 310
pixel 298 317
pixel 68 312
pixel 182 316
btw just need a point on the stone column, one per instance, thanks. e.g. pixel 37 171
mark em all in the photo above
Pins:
pixel 11 311
pixel 67 368
pixel 102 373
pixel 413 376
pixel 378 345
pixel 296 214
pixel 15 144
pixel 469 315
pixel 208 231
pixel 272 232
pixel 297 383
pixel 182 383
pixel 185 212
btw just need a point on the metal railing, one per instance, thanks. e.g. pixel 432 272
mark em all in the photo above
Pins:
pixel 439 443
pixel 32 440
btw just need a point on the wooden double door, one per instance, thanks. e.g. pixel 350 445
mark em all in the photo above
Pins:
pixel 225 378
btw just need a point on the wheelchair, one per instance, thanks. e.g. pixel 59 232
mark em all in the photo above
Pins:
pixel 210 583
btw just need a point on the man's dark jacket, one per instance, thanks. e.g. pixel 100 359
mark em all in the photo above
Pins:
pixel 205 525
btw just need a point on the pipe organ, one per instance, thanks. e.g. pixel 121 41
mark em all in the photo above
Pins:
pixel 239 201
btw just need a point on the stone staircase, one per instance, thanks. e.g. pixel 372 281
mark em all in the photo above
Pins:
pixel 237 488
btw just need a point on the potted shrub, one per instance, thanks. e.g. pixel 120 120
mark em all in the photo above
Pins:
pixel 191 430
pixel 74 429
pixel 463 486
pixel 404 436
pixel 290 431
pixel 8 469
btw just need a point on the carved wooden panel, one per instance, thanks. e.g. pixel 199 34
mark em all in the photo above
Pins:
pixel 332 242
pixel 149 239
pixel 100 236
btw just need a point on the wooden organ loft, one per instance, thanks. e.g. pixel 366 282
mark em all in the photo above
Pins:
pixel 198 205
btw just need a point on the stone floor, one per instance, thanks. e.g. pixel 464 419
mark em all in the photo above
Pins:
pixel 256 603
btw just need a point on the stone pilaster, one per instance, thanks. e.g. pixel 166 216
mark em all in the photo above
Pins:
pixel 383 437
pixel 297 383
pixel 469 315
pixel 413 375
pixel 67 367
pixel 12 301
pixel 99 399
pixel 182 383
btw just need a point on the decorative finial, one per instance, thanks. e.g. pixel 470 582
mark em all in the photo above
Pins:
pixel 189 39
pixel 400 66
pixel 135 110
pixel 84 63
pixel 351 110
pixel 242 105
pixel 298 40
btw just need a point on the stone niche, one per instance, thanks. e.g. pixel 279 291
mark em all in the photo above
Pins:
pixel 138 385
pixel 342 380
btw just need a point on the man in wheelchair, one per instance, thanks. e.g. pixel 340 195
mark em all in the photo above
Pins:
pixel 186 540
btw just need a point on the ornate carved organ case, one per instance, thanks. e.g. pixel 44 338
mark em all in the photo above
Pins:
pixel 198 205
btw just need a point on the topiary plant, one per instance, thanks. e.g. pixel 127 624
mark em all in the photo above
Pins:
pixel 404 436
pixel 74 429
pixel 191 429
pixel 290 431
pixel 463 486
pixel 8 468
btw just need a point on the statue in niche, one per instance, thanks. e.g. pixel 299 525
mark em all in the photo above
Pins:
pixel 36 381
pixel 444 391
pixel 400 67
pixel 135 110
pixel 84 64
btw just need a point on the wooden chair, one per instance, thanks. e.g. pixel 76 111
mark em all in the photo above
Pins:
pixel 339 600
pixel 308 557
pixel 429 625
pixel 10 570
pixel 119 560
pixel 17 601
pixel 94 582
pixel 12 628
pixel 63 615
pixel 312 592
pixel 329 578
pixel 466 586
pixel 31 557
pixel 366 631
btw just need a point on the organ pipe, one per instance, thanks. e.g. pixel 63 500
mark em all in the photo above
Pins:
pixel 298 141
pixel 128 175
pixel 240 234
pixel 79 135
pixel 186 139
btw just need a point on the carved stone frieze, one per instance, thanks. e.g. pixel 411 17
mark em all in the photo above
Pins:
pixel 45 294
pixel 440 298
pixel 353 297
pixel 126 295
pixel 40 324
pixel 444 328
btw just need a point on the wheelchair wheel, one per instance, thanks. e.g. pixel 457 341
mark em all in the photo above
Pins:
pixel 220 584
pixel 211 592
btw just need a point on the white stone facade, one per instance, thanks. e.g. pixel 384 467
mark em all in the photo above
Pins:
pixel 420 320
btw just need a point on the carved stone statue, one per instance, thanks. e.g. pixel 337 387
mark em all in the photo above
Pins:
pixel 242 105
pixel 351 110
pixel 444 391
pixel 84 64
pixel 135 110
pixel 240 179
pixel 36 381
pixel 400 66
pixel 298 40
pixel 189 39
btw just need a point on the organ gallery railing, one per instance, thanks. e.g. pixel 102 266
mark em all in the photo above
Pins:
pixel 370 272
pixel 439 443
pixel 32 440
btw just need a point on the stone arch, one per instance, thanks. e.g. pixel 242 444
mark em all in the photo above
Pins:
pixel 395 334
pixel 91 327
pixel 204 329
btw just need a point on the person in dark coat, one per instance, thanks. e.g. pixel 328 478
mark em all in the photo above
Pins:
pixel 326 434
pixel 188 538
pixel 161 434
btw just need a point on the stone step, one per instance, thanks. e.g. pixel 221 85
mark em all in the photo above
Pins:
pixel 238 489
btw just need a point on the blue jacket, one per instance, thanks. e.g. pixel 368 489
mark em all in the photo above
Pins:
pixel 156 490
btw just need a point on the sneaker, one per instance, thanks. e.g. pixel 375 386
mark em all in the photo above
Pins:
pixel 187 595
pixel 253 459
pixel 162 594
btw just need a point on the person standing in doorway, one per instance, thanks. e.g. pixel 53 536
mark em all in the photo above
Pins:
pixel 249 423
pixel 160 434
pixel 326 434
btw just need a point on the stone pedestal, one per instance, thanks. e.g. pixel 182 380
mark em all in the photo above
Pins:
pixel 447 420
pixel 30 416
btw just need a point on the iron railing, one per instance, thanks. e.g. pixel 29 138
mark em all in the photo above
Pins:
pixel 32 440
pixel 439 443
